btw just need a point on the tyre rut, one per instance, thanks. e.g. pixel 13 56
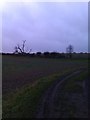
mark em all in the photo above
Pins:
pixel 45 106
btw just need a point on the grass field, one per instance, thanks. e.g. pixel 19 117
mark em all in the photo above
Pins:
pixel 25 79
pixel 72 97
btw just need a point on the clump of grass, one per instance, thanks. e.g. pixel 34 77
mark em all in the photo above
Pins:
pixel 65 101
pixel 23 103
pixel 72 84
pixel 73 88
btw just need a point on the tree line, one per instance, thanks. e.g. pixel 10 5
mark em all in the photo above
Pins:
pixel 20 50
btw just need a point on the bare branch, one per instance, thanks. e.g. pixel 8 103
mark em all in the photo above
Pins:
pixel 30 50
pixel 16 49
pixel 23 46
pixel 69 50
pixel 19 48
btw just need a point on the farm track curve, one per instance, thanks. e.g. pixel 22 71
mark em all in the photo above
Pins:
pixel 46 104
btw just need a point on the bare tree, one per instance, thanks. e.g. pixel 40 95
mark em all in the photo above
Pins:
pixel 23 46
pixel 69 50
pixel 16 50
pixel 21 49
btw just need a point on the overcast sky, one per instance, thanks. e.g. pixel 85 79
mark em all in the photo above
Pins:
pixel 46 26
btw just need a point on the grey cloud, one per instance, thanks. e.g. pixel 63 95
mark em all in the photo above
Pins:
pixel 46 26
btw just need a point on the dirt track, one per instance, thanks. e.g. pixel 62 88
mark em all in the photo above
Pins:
pixel 46 107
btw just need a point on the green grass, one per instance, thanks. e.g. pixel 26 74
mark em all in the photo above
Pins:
pixel 72 84
pixel 23 102
pixel 69 88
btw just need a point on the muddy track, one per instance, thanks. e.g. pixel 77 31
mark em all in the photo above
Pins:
pixel 45 107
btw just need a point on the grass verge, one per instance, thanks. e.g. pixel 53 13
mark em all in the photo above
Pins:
pixel 75 84
pixel 71 100
pixel 23 103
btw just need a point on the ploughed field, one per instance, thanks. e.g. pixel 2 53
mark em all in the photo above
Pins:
pixel 28 81
pixel 20 71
